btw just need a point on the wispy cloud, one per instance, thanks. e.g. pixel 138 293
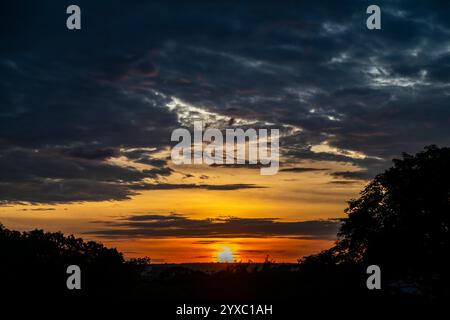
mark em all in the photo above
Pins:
pixel 175 225
pixel 172 186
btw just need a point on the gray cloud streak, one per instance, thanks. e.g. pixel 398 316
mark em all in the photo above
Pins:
pixel 149 226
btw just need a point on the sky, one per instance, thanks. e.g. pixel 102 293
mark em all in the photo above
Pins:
pixel 86 118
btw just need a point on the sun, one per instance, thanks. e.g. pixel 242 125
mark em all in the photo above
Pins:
pixel 226 255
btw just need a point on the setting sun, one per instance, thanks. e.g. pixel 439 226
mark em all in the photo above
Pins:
pixel 225 255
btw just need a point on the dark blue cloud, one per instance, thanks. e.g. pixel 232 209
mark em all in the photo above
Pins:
pixel 93 93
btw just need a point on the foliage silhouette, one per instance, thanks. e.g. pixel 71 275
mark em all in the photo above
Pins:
pixel 35 262
pixel 400 222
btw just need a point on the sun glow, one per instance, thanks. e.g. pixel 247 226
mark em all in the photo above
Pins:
pixel 225 255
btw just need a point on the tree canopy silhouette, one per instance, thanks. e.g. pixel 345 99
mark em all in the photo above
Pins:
pixel 36 262
pixel 401 222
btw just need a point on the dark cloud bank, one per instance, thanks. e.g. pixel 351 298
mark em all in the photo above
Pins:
pixel 71 100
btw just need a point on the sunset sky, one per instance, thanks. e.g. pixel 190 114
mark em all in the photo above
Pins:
pixel 86 118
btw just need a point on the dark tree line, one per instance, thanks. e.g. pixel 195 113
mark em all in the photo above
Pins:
pixel 34 263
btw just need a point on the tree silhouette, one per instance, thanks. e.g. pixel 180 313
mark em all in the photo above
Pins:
pixel 401 223
pixel 35 263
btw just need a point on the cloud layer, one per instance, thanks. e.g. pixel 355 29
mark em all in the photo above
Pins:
pixel 71 101
pixel 151 226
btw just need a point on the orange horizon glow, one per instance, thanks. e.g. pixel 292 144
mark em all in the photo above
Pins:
pixel 286 196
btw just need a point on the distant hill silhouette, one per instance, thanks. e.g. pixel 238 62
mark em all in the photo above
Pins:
pixel 400 222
